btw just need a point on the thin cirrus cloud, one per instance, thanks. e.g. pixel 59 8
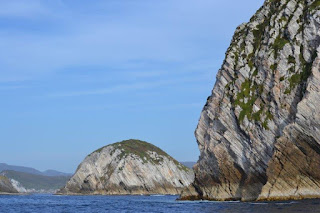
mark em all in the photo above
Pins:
pixel 20 8
pixel 145 85
pixel 12 87
pixel 52 35
pixel 138 105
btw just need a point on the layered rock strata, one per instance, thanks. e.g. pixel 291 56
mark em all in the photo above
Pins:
pixel 259 132
pixel 129 167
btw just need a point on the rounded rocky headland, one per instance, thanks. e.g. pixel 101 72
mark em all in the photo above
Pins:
pixel 129 167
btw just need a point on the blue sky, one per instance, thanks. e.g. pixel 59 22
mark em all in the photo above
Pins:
pixel 78 75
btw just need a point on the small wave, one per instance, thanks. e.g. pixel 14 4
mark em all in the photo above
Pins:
pixel 292 202
pixel 206 201
pixel 259 203
pixel 287 203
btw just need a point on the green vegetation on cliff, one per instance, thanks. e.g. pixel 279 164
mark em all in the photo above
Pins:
pixel 142 150
pixel 248 92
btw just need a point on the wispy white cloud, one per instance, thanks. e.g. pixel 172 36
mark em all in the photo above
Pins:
pixel 103 91
pixel 98 36
pixel 20 8
pixel 139 106
pixel 12 87
pixel 145 74
pixel 178 106
pixel 129 87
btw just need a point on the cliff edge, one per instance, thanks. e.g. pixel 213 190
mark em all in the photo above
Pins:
pixel 259 132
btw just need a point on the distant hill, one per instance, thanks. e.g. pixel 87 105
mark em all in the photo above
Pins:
pixel 30 170
pixel 36 182
pixel 4 166
pixel 189 164
pixel 51 172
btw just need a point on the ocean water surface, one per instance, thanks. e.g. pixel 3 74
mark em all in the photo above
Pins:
pixel 51 203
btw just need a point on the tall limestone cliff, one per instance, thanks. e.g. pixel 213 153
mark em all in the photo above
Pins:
pixel 129 167
pixel 5 186
pixel 259 132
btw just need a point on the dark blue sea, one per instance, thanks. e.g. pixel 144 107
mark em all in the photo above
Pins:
pixel 166 204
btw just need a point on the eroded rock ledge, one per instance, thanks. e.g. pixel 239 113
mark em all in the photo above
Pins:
pixel 259 132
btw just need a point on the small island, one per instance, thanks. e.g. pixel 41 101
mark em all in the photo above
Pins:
pixel 130 167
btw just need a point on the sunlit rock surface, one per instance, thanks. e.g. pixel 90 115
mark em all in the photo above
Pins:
pixel 129 167
pixel 259 132
pixel 6 186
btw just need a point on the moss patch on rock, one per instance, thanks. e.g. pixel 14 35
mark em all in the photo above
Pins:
pixel 315 5
pixel 278 45
pixel 142 150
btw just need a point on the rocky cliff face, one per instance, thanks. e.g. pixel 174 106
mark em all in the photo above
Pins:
pixel 259 132
pixel 129 167
pixel 6 186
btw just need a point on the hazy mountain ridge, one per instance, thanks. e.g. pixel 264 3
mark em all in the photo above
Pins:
pixel 4 166
pixel 34 182
pixel 188 164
